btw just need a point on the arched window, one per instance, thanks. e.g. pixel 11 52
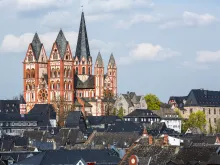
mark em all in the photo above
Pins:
pixel 65 85
pixel 65 72
pixel 52 85
pixel 32 73
pixel 55 73
pixel 58 85
pixel 68 73
pixel 83 70
pixel 76 70
pixel 28 73
pixel 66 96
pixel 69 85
pixel 58 73
pixel 89 71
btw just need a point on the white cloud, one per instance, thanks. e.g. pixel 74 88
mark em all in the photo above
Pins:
pixel 148 52
pixel 138 18
pixel 190 19
pixel 208 56
pixel 16 44
pixel 113 5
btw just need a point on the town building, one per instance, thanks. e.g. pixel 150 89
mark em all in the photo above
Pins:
pixel 170 118
pixel 201 100
pixel 67 76
pixel 129 102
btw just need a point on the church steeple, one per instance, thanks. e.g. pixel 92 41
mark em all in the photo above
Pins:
pixel 82 48
pixel 99 62
pixel 111 61
pixel 61 43
pixel 36 46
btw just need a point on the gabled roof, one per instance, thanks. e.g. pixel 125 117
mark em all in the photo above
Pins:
pixel 97 120
pixel 36 46
pixel 43 110
pixel 71 157
pixel 88 84
pixel 142 113
pixel 122 126
pixel 111 61
pixel 99 62
pixel 200 97
pixel 82 47
pixel 61 43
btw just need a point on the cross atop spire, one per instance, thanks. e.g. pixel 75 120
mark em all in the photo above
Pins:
pixel 82 47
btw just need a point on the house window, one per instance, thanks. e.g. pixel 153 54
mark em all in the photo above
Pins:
pixel 209 111
pixel 214 120
pixel 135 119
pixel 209 120
pixel 191 110
pixel 83 70
pixel 214 111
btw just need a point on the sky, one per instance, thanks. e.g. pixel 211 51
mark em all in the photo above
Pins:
pixel 162 47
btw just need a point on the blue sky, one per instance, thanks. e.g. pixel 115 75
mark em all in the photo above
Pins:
pixel 161 47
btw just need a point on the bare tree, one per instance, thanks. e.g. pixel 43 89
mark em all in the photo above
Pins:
pixel 109 102
pixel 62 108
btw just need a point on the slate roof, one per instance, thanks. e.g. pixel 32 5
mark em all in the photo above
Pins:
pixel 43 110
pixel 61 43
pixel 166 114
pixel 97 120
pixel 76 119
pixel 82 47
pixel 99 62
pixel 200 97
pixel 10 106
pixel 142 113
pixel 88 84
pixel 71 157
pixel 131 98
pixel 122 126
pixel 36 46
pixel 111 61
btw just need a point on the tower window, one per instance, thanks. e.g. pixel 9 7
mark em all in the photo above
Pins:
pixel 76 70
pixel 89 71
pixel 83 62
pixel 110 73
pixel 83 70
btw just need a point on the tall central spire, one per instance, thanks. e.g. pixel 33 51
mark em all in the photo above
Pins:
pixel 82 48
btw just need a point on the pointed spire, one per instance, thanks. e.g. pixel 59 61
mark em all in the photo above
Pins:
pixel 36 46
pixel 111 60
pixel 99 62
pixel 61 43
pixel 82 47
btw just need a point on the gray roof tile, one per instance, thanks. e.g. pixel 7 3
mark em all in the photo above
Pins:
pixel 36 46
pixel 61 44
pixel 99 60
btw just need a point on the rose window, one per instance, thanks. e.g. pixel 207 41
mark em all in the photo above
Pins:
pixel 42 95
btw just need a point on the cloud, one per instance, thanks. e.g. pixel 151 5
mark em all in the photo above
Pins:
pixel 113 5
pixel 148 52
pixel 138 18
pixel 17 44
pixel 208 56
pixel 192 65
pixel 190 19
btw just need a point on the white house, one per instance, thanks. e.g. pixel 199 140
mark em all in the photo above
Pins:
pixel 173 141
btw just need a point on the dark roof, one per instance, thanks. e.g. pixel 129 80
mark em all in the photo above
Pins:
pixel 71 157
pixel 76 119
pixel 10 106
pixel 88 84
pixel 17 156
pixel 214 159
pixel 99 62
pixel 44 110
pixel 82 48
pixel 142 113
pixel 122 126
pixel 200 97
pixel 36 46
pixel 112 61
pixel 61 43
pixel 97 120
pixel 166 113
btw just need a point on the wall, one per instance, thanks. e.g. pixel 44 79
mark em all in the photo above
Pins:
pixel 173 124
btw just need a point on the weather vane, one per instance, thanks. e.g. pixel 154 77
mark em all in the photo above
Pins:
pixel 82 8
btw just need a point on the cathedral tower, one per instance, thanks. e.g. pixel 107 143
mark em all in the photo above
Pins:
pixel 35 73
pixel 83 60
pixel 99 76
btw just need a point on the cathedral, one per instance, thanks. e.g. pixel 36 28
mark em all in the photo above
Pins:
pixel 68 76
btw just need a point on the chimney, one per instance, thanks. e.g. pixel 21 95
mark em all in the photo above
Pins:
pixel 133 160
pixel 150 140
pixel 165 139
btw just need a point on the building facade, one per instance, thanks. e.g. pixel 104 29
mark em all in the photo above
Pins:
pixel 63 75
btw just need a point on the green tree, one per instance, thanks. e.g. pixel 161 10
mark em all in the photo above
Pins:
pixel 217 126
pixel 121 112
pixel 114 112
pixel 153 102
pixel 196 119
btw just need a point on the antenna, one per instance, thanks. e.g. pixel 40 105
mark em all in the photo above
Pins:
pixel 82 8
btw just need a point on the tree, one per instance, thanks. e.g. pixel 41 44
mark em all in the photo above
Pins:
pixel 109 107
pixel 62 108
pixel 114 112
pixel 196 119
pixel 121 112
pixel 153 102
pixel 217 125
